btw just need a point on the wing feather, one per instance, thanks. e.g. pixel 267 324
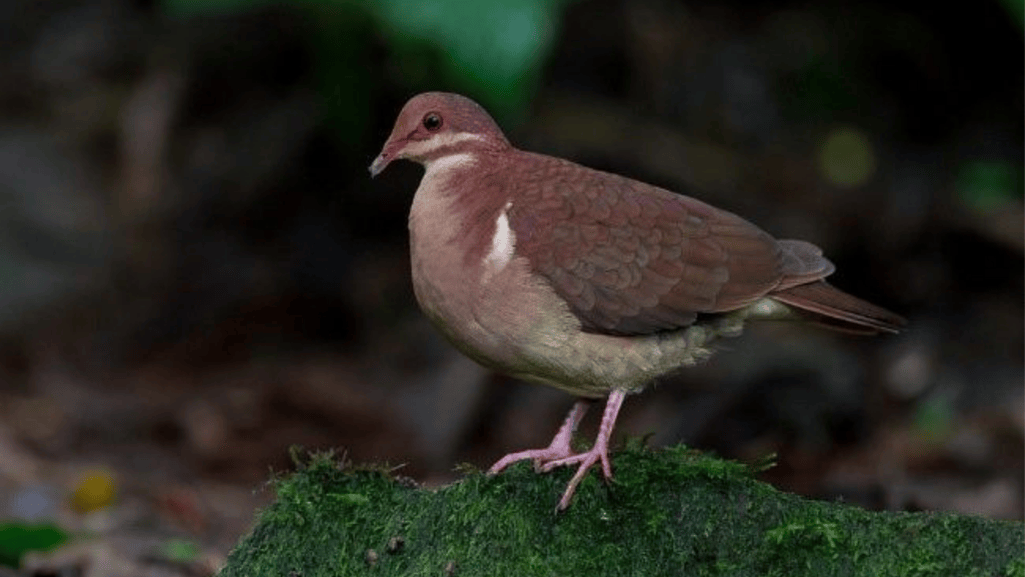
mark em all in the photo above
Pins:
pixel 630 258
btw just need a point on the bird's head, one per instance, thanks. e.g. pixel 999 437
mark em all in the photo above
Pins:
pixel 435 125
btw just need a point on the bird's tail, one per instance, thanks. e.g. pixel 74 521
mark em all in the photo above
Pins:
pixel 831 307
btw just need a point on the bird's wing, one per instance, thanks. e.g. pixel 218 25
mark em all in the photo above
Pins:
pixel 630 258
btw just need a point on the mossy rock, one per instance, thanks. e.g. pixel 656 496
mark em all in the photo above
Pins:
pixel 669 512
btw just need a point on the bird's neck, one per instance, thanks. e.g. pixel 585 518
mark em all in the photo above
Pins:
pixel 459 202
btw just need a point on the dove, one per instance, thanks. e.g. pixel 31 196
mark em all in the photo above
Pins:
pixel 587 281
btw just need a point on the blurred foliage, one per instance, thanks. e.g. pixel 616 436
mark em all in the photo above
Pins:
pixel 1016 8
pixel 988 184
pixel 180 551
pixel 934 417
pixel 493 50
pixel 847 158
pixel 17 539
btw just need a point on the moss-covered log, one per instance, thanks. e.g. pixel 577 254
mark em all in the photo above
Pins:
pixel 669 512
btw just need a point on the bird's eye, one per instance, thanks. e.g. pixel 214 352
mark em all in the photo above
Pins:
pixel 432 121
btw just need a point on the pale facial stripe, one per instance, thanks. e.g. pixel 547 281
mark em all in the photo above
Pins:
pixel 420 148
pixel 440 165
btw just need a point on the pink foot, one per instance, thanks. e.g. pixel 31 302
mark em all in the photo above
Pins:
pixel 558 449
pixel 559 453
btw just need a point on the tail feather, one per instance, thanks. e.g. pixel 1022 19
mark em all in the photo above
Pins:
pixel 833 308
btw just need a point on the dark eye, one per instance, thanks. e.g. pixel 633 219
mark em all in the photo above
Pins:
pixel 432 121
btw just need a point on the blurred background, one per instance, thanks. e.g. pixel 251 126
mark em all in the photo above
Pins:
pixel 196 271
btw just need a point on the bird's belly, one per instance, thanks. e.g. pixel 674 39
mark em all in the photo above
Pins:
pixel 500 326
pixel 444 297
pixel 542 341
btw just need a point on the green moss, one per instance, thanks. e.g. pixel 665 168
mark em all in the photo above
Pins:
pixel 670 512
pixel 1015 568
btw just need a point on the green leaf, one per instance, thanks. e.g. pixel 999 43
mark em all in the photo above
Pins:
pixel 492 49
pixel 16 539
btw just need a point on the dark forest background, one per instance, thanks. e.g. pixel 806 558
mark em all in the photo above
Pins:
pixel 196 271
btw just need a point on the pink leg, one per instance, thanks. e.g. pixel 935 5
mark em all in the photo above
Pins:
pixel 559 453
pixel 599 452
pixel 559 447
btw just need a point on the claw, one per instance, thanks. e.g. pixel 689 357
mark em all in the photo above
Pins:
pixel 558 449
pixel 560 454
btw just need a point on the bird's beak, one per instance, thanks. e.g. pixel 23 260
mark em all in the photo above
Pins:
pixel 391 151
pixel 379 164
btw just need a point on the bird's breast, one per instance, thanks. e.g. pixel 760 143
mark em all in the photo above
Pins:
pixel 452 264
